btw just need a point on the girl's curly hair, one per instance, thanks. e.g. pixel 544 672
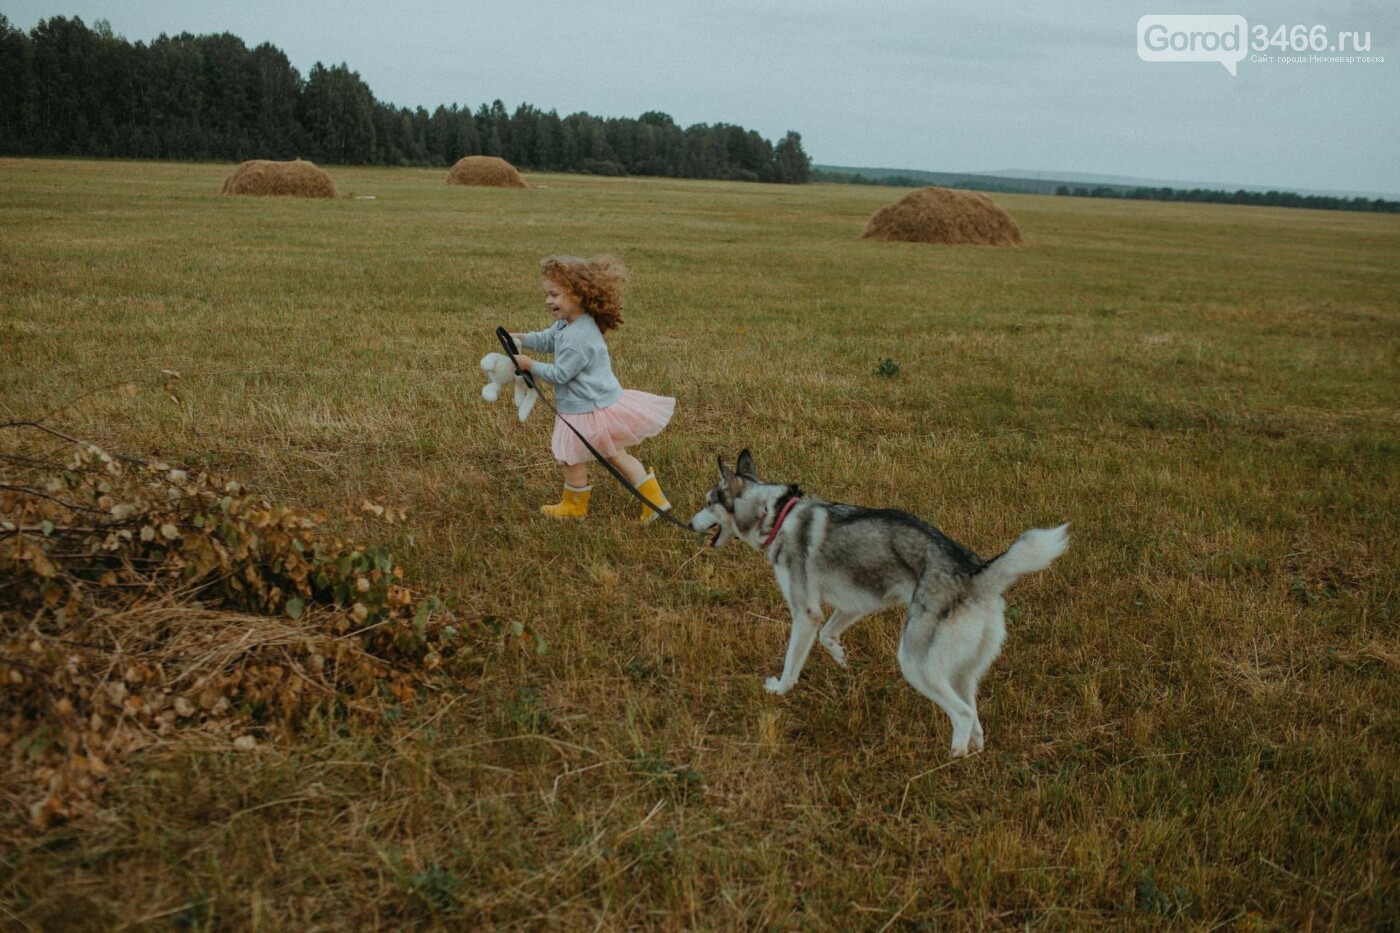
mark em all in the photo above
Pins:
pixel 597 283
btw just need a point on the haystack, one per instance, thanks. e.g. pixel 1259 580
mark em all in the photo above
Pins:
pixel 944 215
pixel 298 178
pixel 486 172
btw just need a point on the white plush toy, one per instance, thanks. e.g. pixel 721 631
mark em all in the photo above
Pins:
pixel 500 372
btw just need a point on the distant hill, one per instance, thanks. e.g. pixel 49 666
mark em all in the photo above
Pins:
pixel 970 181
pixel 1125 181
pixel 1027 181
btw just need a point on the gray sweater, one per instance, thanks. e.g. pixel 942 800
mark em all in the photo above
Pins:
pixel 581 373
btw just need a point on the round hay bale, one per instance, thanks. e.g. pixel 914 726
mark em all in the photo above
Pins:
pixel 944 215
pixel 486 172
pixel 297 178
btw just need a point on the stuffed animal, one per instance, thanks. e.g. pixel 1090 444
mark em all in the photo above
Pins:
pixel 500 372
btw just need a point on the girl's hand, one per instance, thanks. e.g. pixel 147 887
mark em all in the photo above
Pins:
pixel 518 338
pixel 523 362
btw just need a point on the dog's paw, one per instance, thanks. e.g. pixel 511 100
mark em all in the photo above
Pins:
pixel 838 654
pixel 776 686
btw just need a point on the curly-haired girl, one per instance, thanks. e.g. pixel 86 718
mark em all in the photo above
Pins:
pixel 584 296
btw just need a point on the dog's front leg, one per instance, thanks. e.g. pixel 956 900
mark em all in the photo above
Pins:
pixel 804 635
pixel 804 632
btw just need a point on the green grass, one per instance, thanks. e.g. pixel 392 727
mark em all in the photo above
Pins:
pixel 1196 719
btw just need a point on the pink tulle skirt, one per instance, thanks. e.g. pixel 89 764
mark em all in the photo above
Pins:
pixel 630 420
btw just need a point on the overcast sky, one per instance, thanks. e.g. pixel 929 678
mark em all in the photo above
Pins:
pixel 901 84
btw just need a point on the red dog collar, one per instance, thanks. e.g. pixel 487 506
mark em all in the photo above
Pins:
pixel 778 523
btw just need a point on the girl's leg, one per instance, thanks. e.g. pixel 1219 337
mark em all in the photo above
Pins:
pixel 574 504
pixel 628 465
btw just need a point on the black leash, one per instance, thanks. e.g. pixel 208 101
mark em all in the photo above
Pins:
pixel 508 343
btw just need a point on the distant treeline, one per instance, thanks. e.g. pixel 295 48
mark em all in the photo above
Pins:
pixel 908 181
pixel 1258 198
pixel 1038 186
pixel 67 89
pixel 856 178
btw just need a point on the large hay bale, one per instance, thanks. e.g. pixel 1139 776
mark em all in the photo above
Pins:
pixel 944 215
pixel 298 178
pixel 486 172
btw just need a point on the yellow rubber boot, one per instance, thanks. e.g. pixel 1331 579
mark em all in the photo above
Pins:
pixel 650 488
pixel 573 505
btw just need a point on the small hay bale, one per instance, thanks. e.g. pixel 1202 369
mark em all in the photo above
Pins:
pixel 485 172
pixel 944 215
pixel 298 178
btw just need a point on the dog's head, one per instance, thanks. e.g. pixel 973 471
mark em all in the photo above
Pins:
pixel 739 505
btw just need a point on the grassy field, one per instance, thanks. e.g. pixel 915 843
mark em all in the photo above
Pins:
pixel 1196 719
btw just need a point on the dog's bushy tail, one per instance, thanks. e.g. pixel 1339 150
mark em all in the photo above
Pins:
pixel 1034 550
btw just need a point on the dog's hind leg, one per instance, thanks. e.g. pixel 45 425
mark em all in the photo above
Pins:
pixel 993 628
pixel 966 685
pixel 931 661
pixel 833 630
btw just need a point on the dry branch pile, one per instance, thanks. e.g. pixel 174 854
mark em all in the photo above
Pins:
pixel 944 215
pixel 139 602
pixel 298 178
pixel 485 171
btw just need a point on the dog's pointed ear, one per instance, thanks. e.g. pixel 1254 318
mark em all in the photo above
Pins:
pixel 732 482
pixel 745 466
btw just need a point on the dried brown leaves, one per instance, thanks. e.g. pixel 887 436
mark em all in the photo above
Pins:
pixel 139 602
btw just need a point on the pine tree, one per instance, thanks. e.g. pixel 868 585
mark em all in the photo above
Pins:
pixel 338 114
pixel 792 164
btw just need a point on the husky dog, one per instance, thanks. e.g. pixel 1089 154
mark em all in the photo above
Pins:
pixel 858 561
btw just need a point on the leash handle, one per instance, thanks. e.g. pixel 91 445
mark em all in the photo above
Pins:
pixel 508 344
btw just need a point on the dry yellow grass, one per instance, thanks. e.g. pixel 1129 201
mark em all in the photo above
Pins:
pixel 1194 723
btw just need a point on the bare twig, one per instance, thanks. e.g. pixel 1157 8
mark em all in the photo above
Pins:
pixel 30 491
pixel 40 426
pixel 907 784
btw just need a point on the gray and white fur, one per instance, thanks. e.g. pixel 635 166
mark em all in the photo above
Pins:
pixel 859 561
